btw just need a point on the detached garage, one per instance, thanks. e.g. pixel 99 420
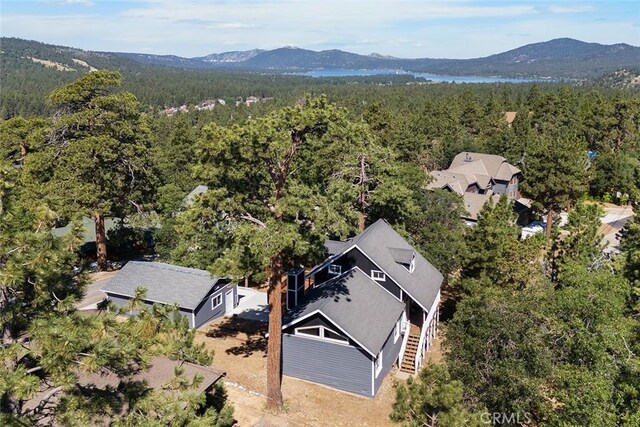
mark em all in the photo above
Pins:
pixel 199 296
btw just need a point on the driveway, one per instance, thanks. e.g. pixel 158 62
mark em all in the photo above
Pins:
pixel 252 305
pixel 94 295
pixel 612 222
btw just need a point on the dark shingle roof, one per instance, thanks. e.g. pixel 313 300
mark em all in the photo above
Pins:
pixel 165 283
pixel 335 246
pixel 356 304
pixel 381 242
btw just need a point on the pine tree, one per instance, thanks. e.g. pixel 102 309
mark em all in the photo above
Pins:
pixel 555 172
pixel 280 216
pixel 95 161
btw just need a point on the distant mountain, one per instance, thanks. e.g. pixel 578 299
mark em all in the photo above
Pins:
pixel 555 59
pixel 560 58
pixel 227 57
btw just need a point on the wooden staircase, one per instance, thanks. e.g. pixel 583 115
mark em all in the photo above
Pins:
pixel 408 361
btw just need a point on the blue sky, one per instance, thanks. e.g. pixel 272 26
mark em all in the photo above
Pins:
pixel 405 28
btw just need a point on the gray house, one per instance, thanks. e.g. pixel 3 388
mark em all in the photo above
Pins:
pixel 373 303
pixel 199 296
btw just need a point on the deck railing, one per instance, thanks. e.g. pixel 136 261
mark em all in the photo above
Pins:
pixel 418 360
pixel 407 331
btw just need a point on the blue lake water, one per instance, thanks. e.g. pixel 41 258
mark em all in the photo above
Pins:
pixel 428 76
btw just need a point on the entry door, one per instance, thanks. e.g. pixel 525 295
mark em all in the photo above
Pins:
pixel 228 301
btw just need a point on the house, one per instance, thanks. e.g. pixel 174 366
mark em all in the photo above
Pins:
pixel 372 304
pixel 199 296
pixel 509 117
pixel 480 178
pixel 160 373
pixel 191 197
pixel 479 173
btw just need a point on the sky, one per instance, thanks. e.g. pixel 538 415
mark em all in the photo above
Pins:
pixel 403 28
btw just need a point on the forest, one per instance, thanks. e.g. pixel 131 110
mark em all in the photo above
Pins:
pixel 544 328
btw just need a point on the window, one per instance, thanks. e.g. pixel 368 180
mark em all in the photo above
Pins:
pixel 378 275
pixel 322 332
pixel 396 332
pixel 328 333
pixel 216 301
pixel 314 331
pixel 378 364
pixel 335 269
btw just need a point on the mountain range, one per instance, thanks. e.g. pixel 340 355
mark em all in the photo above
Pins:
pixel 556 59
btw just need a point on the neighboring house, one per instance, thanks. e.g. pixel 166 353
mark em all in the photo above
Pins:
pixel 191 197
pixel 479 173
pixel 199 296
pixel 480 178
pixel 89 232
pixel 161 372
pixel 373 303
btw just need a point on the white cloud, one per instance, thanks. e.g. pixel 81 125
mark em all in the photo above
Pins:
pixel 572 8
pixel 407 28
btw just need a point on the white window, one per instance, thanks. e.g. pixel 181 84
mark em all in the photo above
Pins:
pixel 335 269
pixel 378 364
pixel 396 331
pixel 315 331
pixel 412 266
pixel 216 301
pixel 322 332
pixel 378 275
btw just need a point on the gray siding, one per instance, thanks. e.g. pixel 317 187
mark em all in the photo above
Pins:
pixel 390 353
pixel 355 258
pixel 500 187
pixel 336 365
pixel 204 312
pixel 317 320
pixel 121 301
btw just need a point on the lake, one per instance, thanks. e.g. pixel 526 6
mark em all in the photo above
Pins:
pixel 428 76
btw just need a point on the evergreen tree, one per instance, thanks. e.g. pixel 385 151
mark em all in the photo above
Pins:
pixel 433 399
pixel 278 215
pixel 95 161
pixel 555 172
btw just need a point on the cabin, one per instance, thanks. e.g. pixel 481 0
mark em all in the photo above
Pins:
pixel 199 296
pixel 370 306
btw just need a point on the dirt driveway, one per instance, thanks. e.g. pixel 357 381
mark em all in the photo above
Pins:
pixel 240 350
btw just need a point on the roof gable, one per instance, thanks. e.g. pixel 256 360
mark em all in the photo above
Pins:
pixel 165 283
pixel 354 303
pixel 380 242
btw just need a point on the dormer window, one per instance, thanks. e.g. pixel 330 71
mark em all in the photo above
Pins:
pixel 335 269
pixel 412 265
pixel 378 276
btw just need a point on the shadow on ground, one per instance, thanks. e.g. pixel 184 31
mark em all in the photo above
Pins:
pixel 238 328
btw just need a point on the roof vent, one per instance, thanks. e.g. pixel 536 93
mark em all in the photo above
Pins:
pixel 467 158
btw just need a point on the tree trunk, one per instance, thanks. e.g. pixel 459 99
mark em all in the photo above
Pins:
pixel 274 344
pixel 23 152
pixel 362 195
pixel 549 226
pixel 101 242
pixel 246 282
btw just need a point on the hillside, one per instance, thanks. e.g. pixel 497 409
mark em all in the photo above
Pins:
pixel 558 59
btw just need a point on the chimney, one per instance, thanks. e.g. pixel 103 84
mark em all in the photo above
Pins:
pixel 295 287
pixel 467 158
